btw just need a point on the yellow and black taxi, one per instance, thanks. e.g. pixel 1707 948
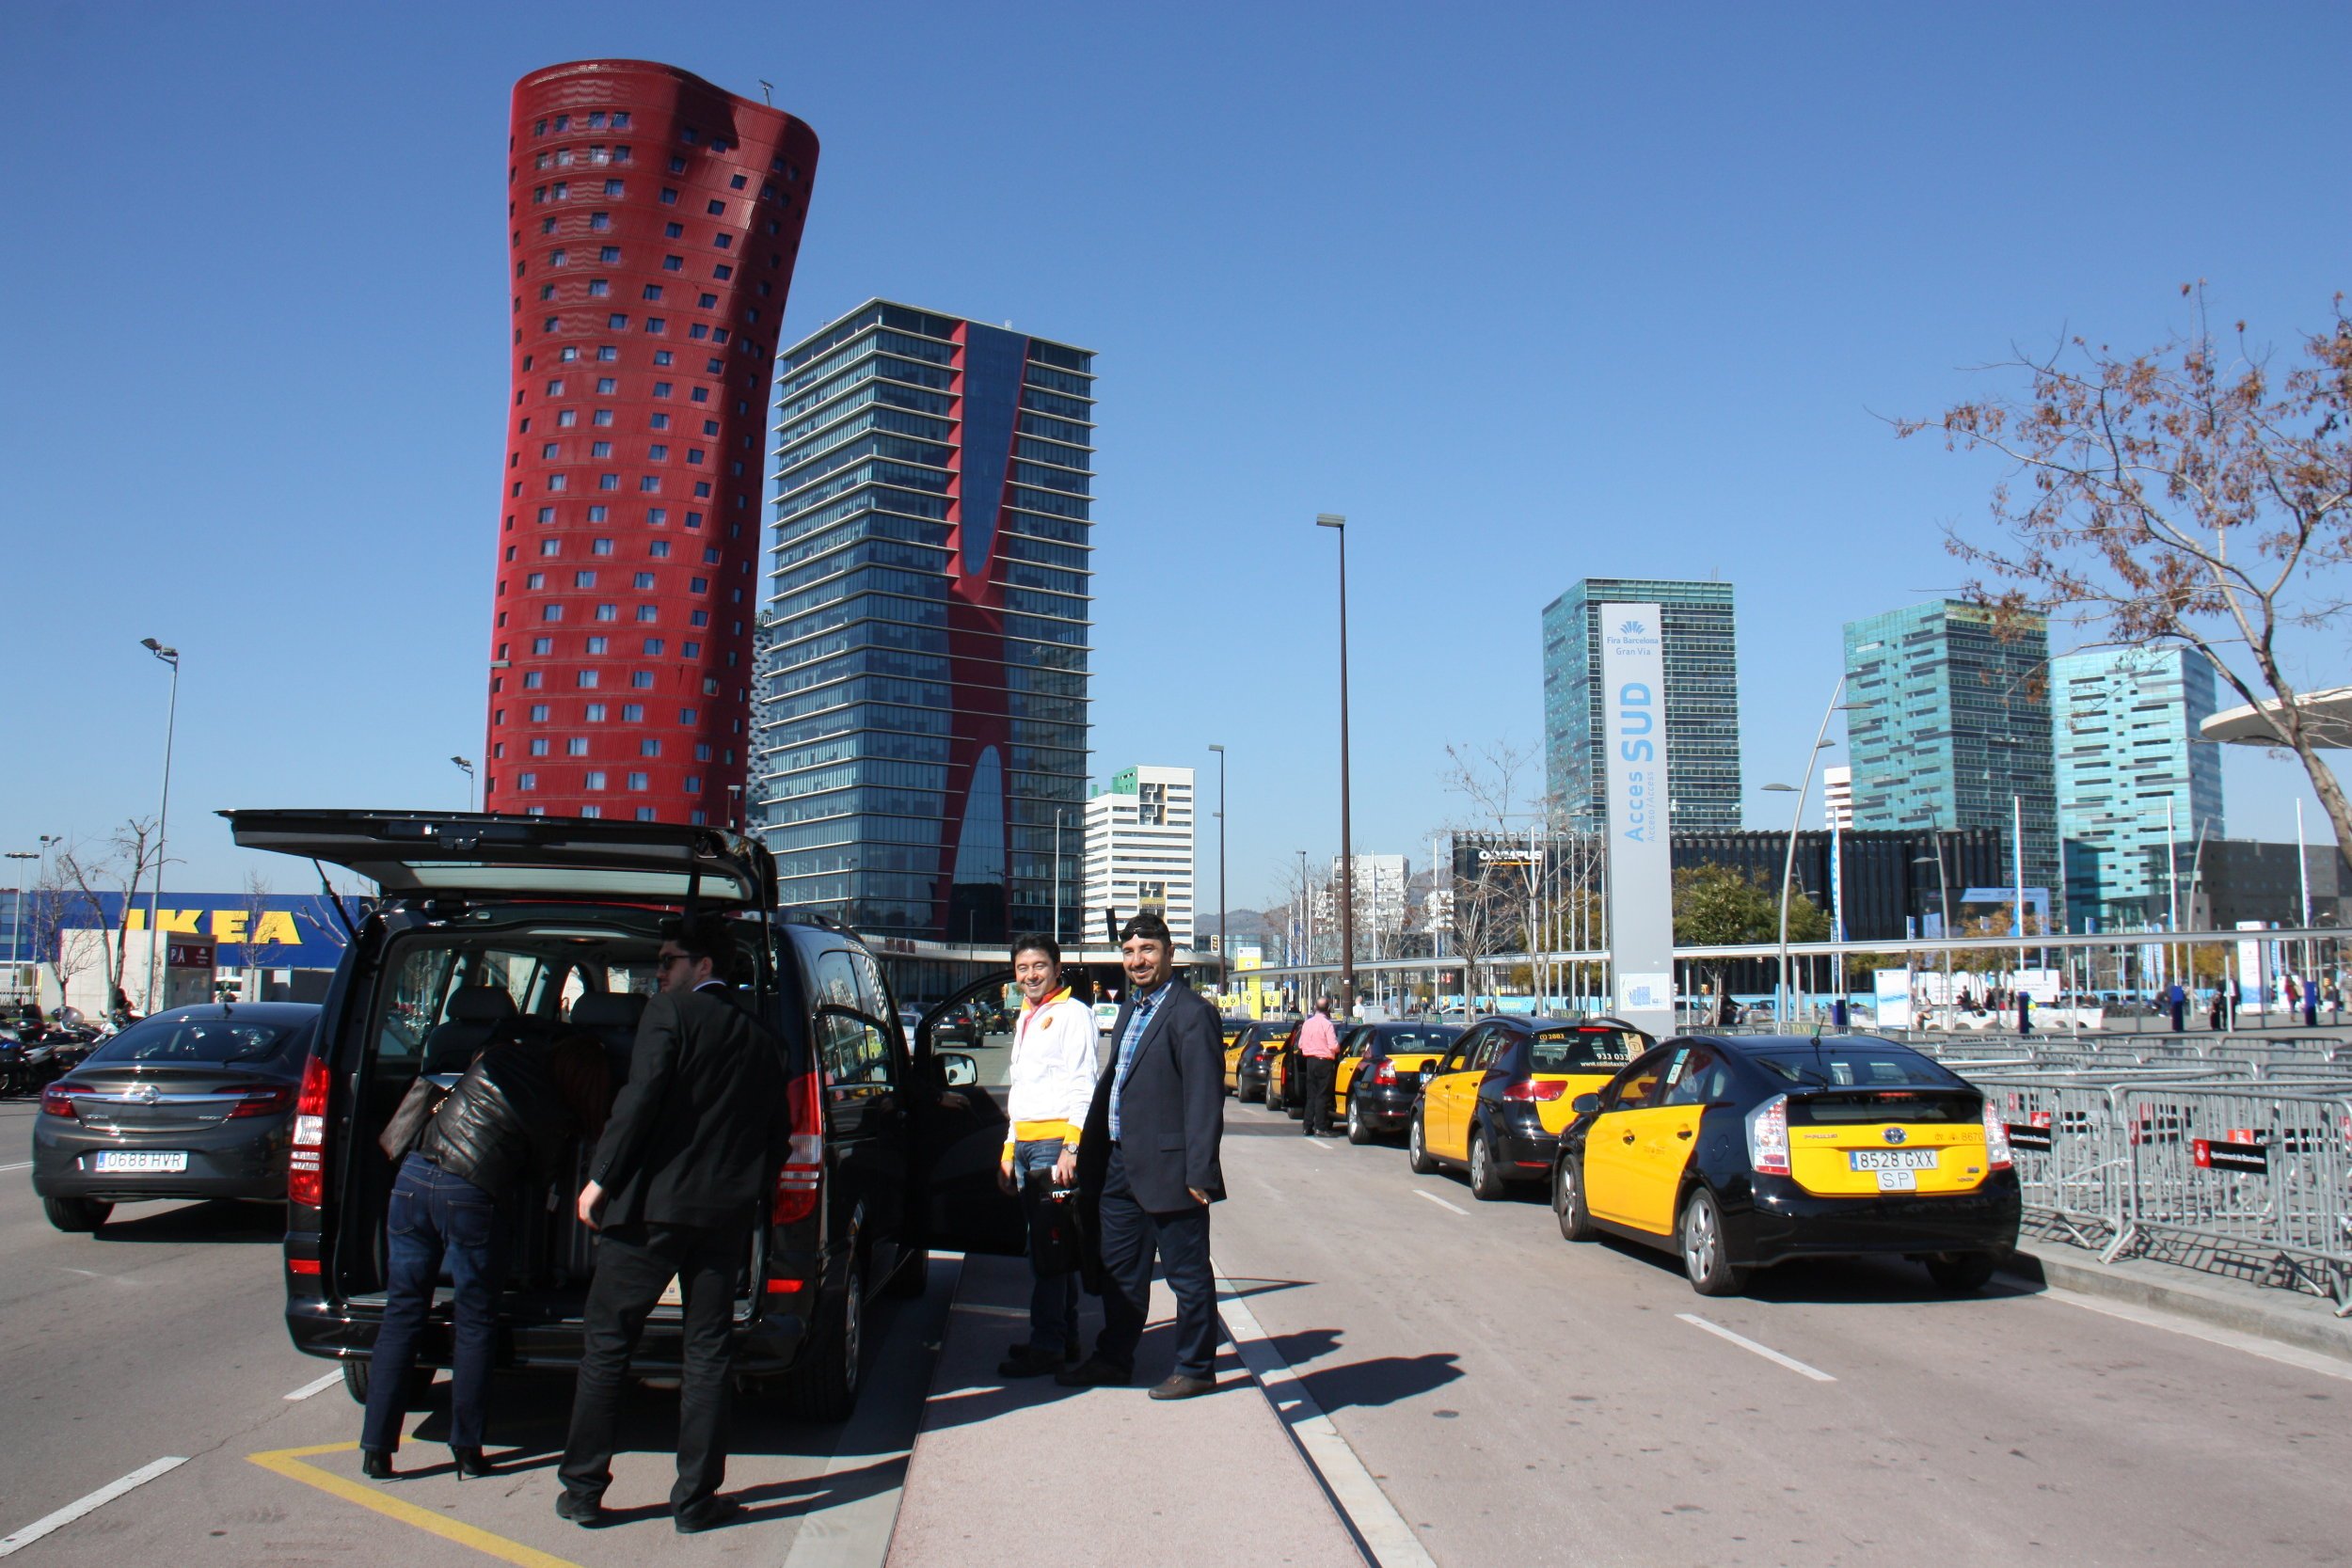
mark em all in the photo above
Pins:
pixel 1379 1075
pixel 1280 1067
pixel 1248 1058
pixel 1496 1103
pixel 1741 1152
pixel 1232 1030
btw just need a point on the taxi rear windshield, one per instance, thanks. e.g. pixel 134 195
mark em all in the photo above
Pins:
pixel 1835 1066
pixel 1581 1050
pixel 1413 1043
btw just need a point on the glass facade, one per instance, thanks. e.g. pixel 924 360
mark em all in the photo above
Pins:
pixel 922 658
pixel 2130 776
pixel 1948 723
pixel 1702 699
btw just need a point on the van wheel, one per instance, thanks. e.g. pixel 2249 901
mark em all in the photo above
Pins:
pixel 357 1380
pixel 1961 1273
pixel 1568 1201
pixel 1486 1180
pixel 1358 1130
pixel 1706 1260
pixel 823 1383
pixel 914 1274
pixel 77 1215
pixel 1417 1149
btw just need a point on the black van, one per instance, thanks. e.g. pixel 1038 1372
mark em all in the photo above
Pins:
pixel 536 926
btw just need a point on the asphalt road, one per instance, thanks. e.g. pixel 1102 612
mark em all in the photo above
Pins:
pixel 1521 1398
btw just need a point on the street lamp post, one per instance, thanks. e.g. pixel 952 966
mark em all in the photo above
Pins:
pixel 16 920
pixel 1348 853
pixel 465 766
pixel 163 816
pixel 1943 897
pixel 1306 930
pixel 1224 937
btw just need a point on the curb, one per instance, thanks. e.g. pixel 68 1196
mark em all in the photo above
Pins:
pixel 2328 1335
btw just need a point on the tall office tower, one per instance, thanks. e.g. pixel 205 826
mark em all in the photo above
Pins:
pixel 1702 699
pixel 1948 726
pixel 652 224
pixel 1138 850
pixel 1837 798
pixel 2129 775
pixel 923 657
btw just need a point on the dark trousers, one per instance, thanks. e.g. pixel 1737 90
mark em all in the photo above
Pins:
pixel 1053 1297
pixel 635 1263
pixel 435 1217
pixel 1131 1234
pixel 1314 1082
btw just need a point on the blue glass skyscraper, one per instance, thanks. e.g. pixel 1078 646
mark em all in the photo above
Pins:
pixel 1702 699
pixel 922 698
pixel 2129 771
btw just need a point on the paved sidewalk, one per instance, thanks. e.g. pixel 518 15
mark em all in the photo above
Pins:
pixel 1027 1471
pixel 2284 1316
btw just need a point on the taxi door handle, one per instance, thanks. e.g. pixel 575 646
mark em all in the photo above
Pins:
pixel 1628 1137
pixel 1683 1133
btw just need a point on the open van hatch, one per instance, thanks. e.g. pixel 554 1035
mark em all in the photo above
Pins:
pixel 411 853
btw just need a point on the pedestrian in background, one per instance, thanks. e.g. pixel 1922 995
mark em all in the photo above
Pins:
pixel 1148 1167
pixel 2177 1000
pixel 680 1175
pixel 1318 1061
pixel 1050 1084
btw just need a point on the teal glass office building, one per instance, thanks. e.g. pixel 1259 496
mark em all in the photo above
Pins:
pixel 2131 777
pixel 1948 726
pixel 1702 699
pixel 921 664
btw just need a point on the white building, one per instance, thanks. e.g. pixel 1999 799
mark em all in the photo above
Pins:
pixel 1380 899
pixel 1837 798
pixel 1139 849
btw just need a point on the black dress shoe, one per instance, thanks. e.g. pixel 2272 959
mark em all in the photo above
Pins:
pixel 1070 1351
pixel 711 1515
pixel 587 1512
pixel 1095 1373
pixel 376 1465
pixel 1179 1386
pixel 1029 1361
pixel 472 1464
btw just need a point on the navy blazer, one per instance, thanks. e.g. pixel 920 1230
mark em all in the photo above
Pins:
pixel 1172 1115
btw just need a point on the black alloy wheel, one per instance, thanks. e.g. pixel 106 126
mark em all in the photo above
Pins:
pixel 1568 1201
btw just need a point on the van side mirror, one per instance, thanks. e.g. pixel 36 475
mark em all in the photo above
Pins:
pixel 957 1069
pixel 1584 1104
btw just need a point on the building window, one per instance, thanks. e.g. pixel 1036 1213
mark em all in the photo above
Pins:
pixel 608 612
pixel 542 646
pixel 658 550
pixel 657 453
pixel 584 579
pixel 551 612
pixel 716 209
pixel 598 645
pixel 649 485
pixel 608 482
pixel 595 777
pixel 638 780
pixel 644 814
pixel 658 515
pixel 693 784
pixel 557 482
pixel 654 646
pixel 649 747
pixel 594 712
pixel 616 322
pixel 587 680
pixel 526 781
pixel 672 230
pixel 686 716
pixel 566 419
pixel 613 187
pixel 669 196
pixel 640 679
pixel 646 615
pixel 608 253
pixel 538 713
pixel 601 546
pixel 598 288
pixel 597 449
pixel 601 221
pixel 539 746
pixel 596 513
pixel 531 680
pixel 661 421
pixel 664 389
pixel 575 747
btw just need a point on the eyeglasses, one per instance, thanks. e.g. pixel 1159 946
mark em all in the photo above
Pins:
pixel 665 960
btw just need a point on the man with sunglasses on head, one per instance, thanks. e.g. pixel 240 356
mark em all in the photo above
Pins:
pixel 673 1189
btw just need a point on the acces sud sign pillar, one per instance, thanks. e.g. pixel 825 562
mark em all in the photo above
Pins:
pixel 1641 855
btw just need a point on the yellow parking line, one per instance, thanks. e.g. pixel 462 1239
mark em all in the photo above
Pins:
pixel 288 1463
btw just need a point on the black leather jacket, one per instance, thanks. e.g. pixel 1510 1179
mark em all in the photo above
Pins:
pixel 504 1117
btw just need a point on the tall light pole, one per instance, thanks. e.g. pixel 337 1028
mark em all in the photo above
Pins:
pixel 163 817
pixel 465 766
pixel 16 920
pixel 1306 930
pixel 1224 937
pixel 1788 858
pixel 1943 897
pixel 1348 853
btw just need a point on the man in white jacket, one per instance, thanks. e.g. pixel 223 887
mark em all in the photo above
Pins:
pixel 1052 1082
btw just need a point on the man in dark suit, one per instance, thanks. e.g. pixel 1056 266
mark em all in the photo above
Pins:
pixel 673 1189
pixel 1148 1166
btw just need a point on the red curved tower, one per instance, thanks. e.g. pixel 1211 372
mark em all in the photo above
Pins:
pixel 653 221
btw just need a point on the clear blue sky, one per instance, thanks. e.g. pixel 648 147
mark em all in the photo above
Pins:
pixel 1529 293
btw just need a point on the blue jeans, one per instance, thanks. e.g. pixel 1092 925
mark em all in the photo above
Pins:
pixel 435 1217
pixel 1053 1298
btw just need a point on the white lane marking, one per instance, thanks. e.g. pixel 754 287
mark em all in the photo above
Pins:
pixel 317 1386
pixel 21 1165
pixel 2227 1339
pixel 1765 1350
pixel 1367 1512
pixel 984 1309
pixel 1439 1202
pixel 97 1500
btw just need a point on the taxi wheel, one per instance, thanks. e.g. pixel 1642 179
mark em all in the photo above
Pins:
pixel 1417 1149
pixel 1961 1273
pixel 1485 1177
pixel 1568 1201
pixel 1358 1130
pixel 1705 1261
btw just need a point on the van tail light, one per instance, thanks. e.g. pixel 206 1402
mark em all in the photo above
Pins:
pixel 1768 1137
pixel 1534 1088
pixel 1383 1073
pixel 57 1099
pixel 804 1154
pixel 1995 1138
pixel 261 1100
pixel 306 1162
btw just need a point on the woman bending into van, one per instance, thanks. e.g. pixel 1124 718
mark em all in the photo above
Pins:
pixel 515 1112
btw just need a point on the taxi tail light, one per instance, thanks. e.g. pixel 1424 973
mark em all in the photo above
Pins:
pixel 1383 1073
pixel 1534 1088
pixel 57 1099
pixel 306 1162
pixel 1768 1137
pixel 804 1166
pixel 1995 1138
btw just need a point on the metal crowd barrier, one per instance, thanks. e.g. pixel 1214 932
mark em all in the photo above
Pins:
pixel 2251 1179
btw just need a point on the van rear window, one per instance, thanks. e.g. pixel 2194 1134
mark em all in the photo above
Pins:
pixel 1582 1050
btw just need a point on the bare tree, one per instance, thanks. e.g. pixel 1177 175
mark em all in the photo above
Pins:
pixel 2190 496
pixel 118 868
pixel 1490 903
pixel 56 908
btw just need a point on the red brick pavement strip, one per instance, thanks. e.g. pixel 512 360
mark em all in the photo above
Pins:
pixel 1026 1470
